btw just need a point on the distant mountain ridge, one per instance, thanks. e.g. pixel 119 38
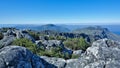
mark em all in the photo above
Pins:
pixel 54 28
pixel 98 32
pixel 112 28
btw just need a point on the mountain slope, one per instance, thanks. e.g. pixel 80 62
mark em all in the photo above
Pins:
pixel 98 33
pixel 54 27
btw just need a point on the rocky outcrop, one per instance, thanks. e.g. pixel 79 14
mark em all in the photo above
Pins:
pixel 19 34
pixel 10 32
pixel 77 52
pixel 103 53
pixel 11 35
pixel 24 34
pixel 7 40
pixel 59 62
pixel 49 44
pixel 52 43
pixel 20 57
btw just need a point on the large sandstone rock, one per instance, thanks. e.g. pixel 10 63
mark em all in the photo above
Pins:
pixel 59 62
pixel 20 57
pixel 103 53
pixel 11 35
pixel 7 40
pixel 24 34
pixel 52 43
pixel 10 32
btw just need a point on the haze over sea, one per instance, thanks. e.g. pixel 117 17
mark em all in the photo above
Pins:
pixel 113 28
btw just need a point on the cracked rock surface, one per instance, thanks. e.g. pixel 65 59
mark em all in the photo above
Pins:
pixel 103 53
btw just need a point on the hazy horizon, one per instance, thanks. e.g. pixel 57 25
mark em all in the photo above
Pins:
pixel 68 23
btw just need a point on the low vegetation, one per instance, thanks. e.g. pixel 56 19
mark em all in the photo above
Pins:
pixel 54 52
pixel 25 43
pixel 34 35
pixel 57 38
pixel 76 44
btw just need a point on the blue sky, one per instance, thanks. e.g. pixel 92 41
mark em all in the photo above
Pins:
pixel 59 11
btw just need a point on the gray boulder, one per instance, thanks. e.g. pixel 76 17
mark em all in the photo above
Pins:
pixel 19 34
pixel 10 32
pixel 52 43
pixel 24 34
pixel 77 52
pixel 59 62
pixel 20 57
pixel 7 40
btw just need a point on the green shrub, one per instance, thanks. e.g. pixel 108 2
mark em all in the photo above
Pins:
pixel 25 43
pixel 76 44
pixel 34 35
pixel 51 38
pixel 56 38
pixel 67 56
pixel 53 52
pixel 60 38
pixel 74 56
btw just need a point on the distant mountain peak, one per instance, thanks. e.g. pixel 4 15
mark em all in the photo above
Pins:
pixel 50 25
pixel 54 27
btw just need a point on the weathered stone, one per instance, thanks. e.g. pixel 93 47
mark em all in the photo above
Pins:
pixel 77 52
pixel 103 53
pixel 7 40
pixel 49 44
pixel 20 57
pixel 24 34
pixel 59 62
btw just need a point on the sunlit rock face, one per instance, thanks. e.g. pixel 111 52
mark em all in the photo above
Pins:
pixel 7 40
pixel 103 53
pixel 11 35
pixel 20 57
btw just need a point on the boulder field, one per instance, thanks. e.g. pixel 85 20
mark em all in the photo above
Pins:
pixel 103 53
